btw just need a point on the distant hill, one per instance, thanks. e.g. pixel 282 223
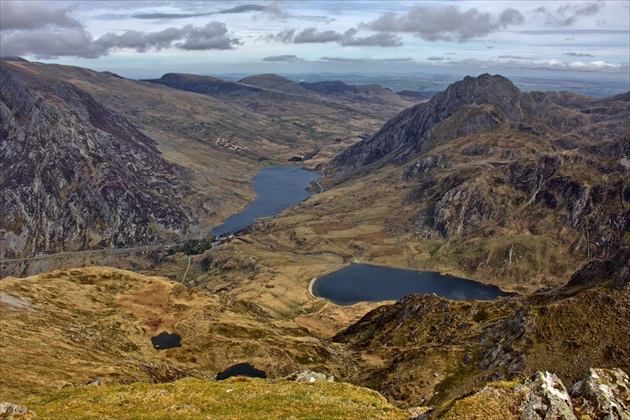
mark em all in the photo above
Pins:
pixel 13 59
pixel 275 82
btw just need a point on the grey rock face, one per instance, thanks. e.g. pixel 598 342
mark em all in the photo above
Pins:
pixel 603 393
pixel 76 175
pixel 545 397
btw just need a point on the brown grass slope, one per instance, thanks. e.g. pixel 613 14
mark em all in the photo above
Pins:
pixel 73 326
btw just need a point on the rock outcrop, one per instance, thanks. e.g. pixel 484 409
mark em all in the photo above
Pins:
pixel 603 393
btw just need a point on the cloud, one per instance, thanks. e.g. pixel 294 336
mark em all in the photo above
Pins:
pixel 311 35
pixel 276 10
pixel 446 23
pixel 245 8
pixel 168 15
pixel 578 54
pixel 346 39
pixel 43 43
pixel 272 9
pixel 547 64
pixel 212 36
pixel 36 29
pixel 33 15
pixel 53 33
pixel 513 57
pixel 574 32
pixel 283 59
pixel 434 58
pixel 381 39
pixel 567 14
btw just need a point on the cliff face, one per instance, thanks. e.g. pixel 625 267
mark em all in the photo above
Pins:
pixel 76 175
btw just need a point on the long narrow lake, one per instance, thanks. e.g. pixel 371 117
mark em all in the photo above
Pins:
pixel 372 283
pixel 277 188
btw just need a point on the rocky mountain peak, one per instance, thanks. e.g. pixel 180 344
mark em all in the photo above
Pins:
pixel 485 89
pixel 490 100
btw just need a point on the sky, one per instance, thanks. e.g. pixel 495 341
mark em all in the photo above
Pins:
pixel 138 39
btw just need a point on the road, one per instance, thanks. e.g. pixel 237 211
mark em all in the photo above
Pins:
pixel 89 252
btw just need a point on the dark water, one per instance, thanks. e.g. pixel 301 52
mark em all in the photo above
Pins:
pixel 165 341
pixel 241 369
pixel 277 188
pixel 371 283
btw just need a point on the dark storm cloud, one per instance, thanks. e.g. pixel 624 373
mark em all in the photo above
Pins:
pixel 33 15
pixel 573 54
pixel 447 23
pixel 348 38
pixel 283 59
pixel 567 14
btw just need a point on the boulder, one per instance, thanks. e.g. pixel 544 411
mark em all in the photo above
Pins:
pixel 603 393
pixel 310 376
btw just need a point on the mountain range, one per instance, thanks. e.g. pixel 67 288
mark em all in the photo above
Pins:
pixel 525 191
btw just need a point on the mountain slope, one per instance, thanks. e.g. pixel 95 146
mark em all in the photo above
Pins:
pixel 476 105
pixel 195 155
pixel 78 175
pixel 423 344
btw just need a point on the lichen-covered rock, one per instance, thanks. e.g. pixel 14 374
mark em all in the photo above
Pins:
pixel 9 409
pixel 603 393
pixel 310 376
pixel 545 397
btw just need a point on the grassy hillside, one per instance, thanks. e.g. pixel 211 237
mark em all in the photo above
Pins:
pixel 239 398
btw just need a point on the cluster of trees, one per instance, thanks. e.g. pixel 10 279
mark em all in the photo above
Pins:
pixel 193 246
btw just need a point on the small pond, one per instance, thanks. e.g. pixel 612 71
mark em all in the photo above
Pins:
pixel 241 369
pixel 277 188
pixel 372 283
pixel 165 341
